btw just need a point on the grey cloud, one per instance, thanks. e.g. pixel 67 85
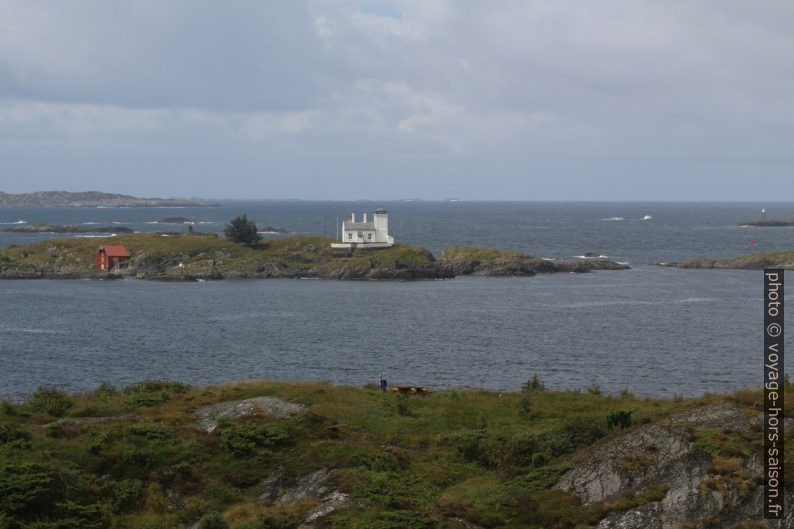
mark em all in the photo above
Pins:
pixel 244 55
pixel 626 94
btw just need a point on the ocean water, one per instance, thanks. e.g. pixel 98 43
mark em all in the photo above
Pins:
pixel 656 331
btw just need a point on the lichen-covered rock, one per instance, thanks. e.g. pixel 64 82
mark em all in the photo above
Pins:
pixel 315 485
pixel 209 417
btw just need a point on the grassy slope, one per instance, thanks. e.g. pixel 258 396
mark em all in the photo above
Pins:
pixel 409 462
pixel 199 254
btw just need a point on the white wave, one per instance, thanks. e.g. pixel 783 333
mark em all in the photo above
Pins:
pixel 152 222
pixel 92 223
pixel 613 218
pixel 587 304
pixel 15 222
pixel 206 222
pixel 695 300
pixel 548 258
pixel 95 236
pixel 591 257
pixel 31 330
pixel 647 217
pixel 271 233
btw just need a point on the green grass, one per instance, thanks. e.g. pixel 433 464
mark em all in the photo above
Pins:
pixel 467 453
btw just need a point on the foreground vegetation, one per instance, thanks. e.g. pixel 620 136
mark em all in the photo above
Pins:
pixel 452 459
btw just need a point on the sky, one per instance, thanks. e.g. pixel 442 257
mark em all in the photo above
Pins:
pixel 430 99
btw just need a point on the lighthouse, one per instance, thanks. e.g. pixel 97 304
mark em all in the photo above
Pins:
pixel 366 233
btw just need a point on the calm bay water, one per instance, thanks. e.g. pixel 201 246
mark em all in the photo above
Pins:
pixel 656 331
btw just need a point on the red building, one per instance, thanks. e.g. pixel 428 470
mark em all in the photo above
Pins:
pixel 109 254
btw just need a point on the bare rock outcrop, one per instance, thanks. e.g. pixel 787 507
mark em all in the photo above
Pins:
pixel 665 454
pixel 209 417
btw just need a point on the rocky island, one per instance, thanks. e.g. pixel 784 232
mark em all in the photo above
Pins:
pixel 207 256
pixel 260 454
pixel 756 261
pixel 58 228
pixel 768 223
pixel 176 220
pixel 88 199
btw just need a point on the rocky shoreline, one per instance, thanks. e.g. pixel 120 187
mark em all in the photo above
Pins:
pixel 192 257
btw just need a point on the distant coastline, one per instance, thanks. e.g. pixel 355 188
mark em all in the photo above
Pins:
pixel 89 199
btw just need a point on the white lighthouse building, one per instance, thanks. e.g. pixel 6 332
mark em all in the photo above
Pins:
pixel 366 233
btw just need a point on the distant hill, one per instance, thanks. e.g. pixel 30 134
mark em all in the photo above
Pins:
pixel 87 199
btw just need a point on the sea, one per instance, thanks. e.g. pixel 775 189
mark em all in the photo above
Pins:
pixel 654 330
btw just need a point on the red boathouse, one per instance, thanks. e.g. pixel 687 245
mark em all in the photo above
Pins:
pixel 109 254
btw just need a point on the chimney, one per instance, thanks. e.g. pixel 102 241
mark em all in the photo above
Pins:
pixel 365 217
pixel 352 217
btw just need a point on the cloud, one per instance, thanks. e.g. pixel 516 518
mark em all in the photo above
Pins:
pixel 534 89
pixel 243 56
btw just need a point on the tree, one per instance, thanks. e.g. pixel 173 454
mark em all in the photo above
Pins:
pixel 241 230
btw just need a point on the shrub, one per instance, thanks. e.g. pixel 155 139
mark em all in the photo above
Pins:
pixel 212 520
pixel 27 489
pixel 153 392
pixel 126 494
pixel 391 461
pixel 17 436
pixel 150 386
pixel 619 419
pixel 73 515
pixel 147 399
pixel 533 384
pixel 241 230
pixel 50 400
pixel 62 429
pixel 524 408
pixel 403 408
pixel 539 459
pixel 243 438
pixel 576 434
pixel 105 390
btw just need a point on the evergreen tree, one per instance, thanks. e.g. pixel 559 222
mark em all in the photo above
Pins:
pixel 241 230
